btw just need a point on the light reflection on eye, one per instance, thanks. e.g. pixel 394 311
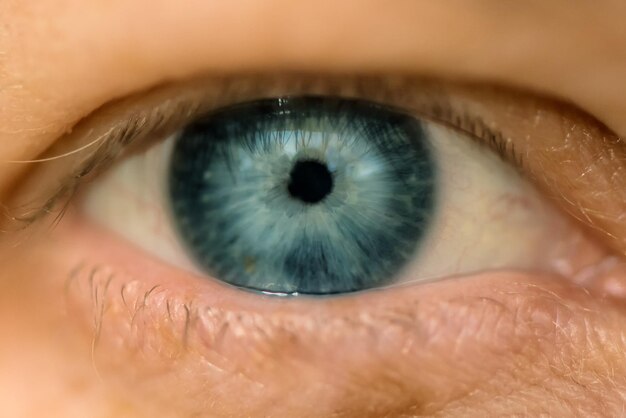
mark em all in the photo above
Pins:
pixel 433 202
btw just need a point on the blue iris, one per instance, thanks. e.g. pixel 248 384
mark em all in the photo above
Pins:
pixel 308 195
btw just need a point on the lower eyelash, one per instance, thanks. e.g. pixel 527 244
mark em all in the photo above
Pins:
pixel 187 318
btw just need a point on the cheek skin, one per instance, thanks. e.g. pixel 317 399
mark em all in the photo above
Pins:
pixel 162 341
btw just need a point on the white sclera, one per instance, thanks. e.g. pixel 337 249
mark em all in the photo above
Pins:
pixel 487 216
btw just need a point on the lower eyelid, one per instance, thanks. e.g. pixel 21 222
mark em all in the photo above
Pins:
pixel 172 328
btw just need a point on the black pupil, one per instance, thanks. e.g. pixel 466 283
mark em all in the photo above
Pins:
pixel 310 181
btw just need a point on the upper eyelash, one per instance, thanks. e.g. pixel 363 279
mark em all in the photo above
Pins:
pixel 145 123
pixel 109 149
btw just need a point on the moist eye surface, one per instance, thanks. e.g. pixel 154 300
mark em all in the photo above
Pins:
pixel 308 195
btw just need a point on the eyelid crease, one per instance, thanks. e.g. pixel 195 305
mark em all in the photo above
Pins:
pixel 137 124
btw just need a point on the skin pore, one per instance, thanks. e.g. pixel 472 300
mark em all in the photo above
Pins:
pixel 500 344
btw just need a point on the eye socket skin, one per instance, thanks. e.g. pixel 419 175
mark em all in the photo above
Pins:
pixel 77 340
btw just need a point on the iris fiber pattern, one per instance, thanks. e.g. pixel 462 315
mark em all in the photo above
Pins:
pixel 304 195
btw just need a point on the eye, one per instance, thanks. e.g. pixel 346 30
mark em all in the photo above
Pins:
pixel 321 194
pixel 491 178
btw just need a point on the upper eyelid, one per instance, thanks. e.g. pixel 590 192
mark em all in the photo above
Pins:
pixel 172 113
pixel 481 112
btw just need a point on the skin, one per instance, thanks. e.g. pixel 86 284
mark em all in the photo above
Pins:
pixel 491 344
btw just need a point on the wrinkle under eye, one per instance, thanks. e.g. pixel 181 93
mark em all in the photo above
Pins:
pixel 306 195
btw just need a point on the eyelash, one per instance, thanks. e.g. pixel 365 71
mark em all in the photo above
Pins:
pixel 148 127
